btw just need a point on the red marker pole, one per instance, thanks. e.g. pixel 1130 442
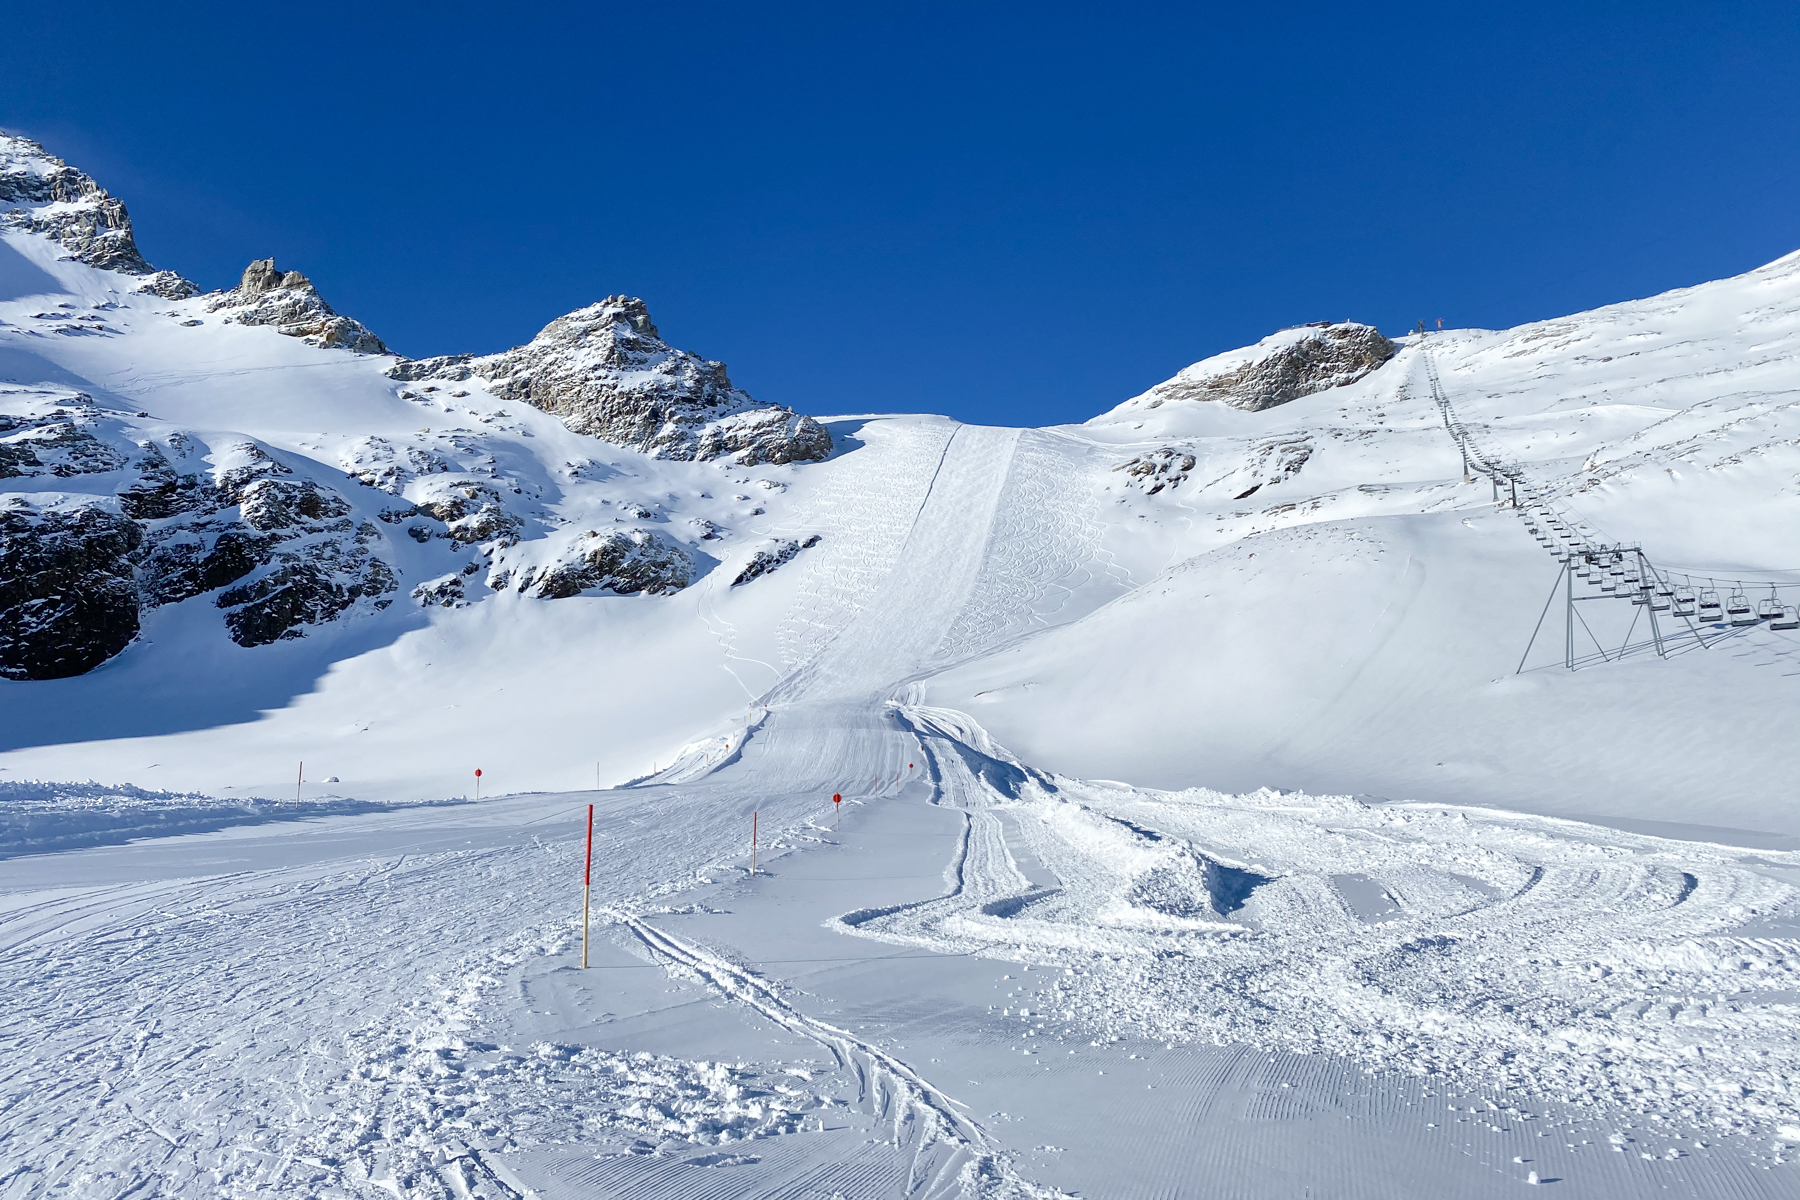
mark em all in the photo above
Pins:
pixel 753 843
pixel 836 802
pixel 587 883
pixel 478 783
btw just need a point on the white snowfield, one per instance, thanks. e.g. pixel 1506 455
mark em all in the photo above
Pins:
pixel 1200 833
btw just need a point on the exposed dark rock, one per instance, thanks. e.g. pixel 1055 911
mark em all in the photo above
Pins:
pixel 1280 368
pixel 274 606
pixel 68 601
pixel 771 557
pixel 623 561
pixel 159 491
pixel 189 560
pixel 445 592
pixel 605 371
pixel 279 503
pixel 290 303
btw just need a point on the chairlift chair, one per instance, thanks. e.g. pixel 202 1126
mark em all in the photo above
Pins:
pixel 1738 608
pixel 1710 608
pixel 1684 603
pixel 1768 610
pixel 1661 594
pixel 1789 618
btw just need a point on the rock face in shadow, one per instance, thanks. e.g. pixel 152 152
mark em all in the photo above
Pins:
pixel 605 371
pixel 1280 368
pixel 161 522
pixel 290 303
pixel 68 599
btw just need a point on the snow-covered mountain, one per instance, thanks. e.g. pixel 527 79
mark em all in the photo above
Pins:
pixel 1542 857
pixel 224 505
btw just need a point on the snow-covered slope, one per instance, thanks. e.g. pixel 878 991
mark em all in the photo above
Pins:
pixel 1326 600
pixel 1052 671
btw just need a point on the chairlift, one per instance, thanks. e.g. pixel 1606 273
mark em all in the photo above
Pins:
pixel 1768 610
pixel 1710 608
pixel 1684 603
pixel 1660 597
pixel 1788 618
pixel 1738 608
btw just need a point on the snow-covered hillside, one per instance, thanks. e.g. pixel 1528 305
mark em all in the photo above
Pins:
pixel 1221 814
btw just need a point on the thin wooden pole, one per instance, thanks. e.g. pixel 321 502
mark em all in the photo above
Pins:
pixel 298 780
pixel 753 843
pixel 587 885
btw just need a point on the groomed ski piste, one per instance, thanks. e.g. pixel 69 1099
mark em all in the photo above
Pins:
pixel 1212 840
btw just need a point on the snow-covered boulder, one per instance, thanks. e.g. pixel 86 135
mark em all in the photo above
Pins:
pixel 289 302
pixel 1282 367
pixel 606 372
pixel 624 561
pixel 771 557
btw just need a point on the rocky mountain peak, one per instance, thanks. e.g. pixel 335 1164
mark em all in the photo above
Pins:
pixel 288 301
pixel 53 199
pixel 263 276
pixel 606 371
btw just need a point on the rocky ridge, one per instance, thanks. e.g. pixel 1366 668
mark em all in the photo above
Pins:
pixel 1281 368
pixel 606 372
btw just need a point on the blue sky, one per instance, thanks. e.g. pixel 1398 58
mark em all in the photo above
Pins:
pixel 1013 214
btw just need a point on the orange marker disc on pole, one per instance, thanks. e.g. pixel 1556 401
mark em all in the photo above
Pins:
pixel 478 783
pixel 836 801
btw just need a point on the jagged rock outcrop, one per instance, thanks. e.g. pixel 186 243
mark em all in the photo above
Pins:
pixel 1270 461
pixel 606 371
pixel 623 561
pixel 1282 367
pixel 769 558
pixel 289 302
pixel 76 574
pixel 68 599
pixel 42 194
pixel 472 513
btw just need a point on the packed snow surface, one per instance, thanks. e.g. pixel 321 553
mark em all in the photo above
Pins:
pixel 1213 820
